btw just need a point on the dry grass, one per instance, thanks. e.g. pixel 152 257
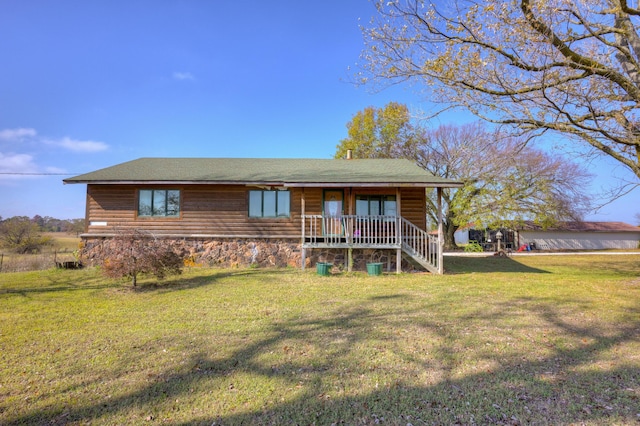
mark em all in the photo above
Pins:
pixel 62 249
pixel 536 340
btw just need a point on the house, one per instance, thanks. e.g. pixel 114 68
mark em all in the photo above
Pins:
pixel 580 236
pixel 234 211
pixel 461 236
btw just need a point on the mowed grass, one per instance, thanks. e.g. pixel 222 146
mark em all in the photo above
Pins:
pixel 525 340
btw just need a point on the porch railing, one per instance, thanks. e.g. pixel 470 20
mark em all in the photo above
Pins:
pixel 390 232
pixel 421 245
pixel 363 231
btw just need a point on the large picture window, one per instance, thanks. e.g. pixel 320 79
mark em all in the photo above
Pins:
pixel 159 203
pixel 269 204
pixel 376 205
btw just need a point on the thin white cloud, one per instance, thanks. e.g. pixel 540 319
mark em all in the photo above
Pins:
pixel 17 134
pixel 56 170
pixel 20 134
pixel 179 75
pixel 17 164
pixel 80 146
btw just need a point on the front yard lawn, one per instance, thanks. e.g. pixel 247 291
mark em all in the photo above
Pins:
pixel 526 340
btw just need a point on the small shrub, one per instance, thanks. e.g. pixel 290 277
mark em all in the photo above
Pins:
pixel 191 262
pixel 473 247
pixel 133 253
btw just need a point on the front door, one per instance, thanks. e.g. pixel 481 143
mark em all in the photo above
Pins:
pixel 332 212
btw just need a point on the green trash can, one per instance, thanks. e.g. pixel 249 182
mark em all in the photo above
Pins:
pixel 323 268
pixel 374 268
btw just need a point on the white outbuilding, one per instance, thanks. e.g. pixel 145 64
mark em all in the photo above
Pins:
pixel 580 236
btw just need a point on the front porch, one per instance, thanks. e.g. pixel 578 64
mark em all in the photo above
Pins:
pixel 372 232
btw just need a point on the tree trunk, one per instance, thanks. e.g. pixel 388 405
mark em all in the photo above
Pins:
pixel 449 230
pixel 449 237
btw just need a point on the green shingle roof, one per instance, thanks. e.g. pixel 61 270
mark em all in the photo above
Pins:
pixel 281 171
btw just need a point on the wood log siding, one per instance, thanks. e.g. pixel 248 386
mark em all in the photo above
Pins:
pixel 221 210
pixel 413 206
pixel 204 210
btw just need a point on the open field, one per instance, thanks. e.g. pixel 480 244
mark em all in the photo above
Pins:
pixel 526 340
pixel 61 249
pixel 63 242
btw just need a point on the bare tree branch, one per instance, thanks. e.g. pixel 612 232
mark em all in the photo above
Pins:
pixel 571 67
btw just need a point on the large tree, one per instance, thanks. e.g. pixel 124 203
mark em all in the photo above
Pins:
pixel 505 181
pixel 22 235
pixel 566 66
pixel 378 132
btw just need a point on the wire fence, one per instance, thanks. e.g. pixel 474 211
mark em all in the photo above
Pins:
pixel 13 262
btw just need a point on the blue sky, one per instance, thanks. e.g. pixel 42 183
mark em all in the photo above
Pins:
pixel 89 84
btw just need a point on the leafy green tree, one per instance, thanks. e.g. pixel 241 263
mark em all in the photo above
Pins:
pixel 378 132
pixel 22 235
pixel 569 67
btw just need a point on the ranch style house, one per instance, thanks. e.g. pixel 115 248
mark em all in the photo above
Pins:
pixel 271 212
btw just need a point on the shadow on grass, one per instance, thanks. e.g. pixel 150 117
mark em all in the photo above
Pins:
pixel 56 280
pixel 467 265
pixel 558 386
pixel 59 280
pixel 182 282
pixel 388 297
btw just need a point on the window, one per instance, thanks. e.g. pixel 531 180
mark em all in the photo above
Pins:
pixel 374 205
pixel 269 204
pixel 159 202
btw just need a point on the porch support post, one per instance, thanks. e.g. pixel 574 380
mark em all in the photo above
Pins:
pixel 304 250
pixel 399 231
pixel 440 234
pixel 350 231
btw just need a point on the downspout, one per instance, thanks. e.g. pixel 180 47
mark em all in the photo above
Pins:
pixel 87 220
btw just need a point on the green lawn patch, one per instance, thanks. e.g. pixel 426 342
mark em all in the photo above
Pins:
pixel 522 340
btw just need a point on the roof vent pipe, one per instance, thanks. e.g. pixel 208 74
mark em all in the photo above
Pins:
pixel 349 154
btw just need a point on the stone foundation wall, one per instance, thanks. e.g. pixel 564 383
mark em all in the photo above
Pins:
pixel 237 252
pixel 227 253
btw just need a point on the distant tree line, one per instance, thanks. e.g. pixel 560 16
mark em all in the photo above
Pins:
pixel 22 234
pixel 51 224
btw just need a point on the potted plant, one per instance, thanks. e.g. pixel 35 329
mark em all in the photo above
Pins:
pixel 374 267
